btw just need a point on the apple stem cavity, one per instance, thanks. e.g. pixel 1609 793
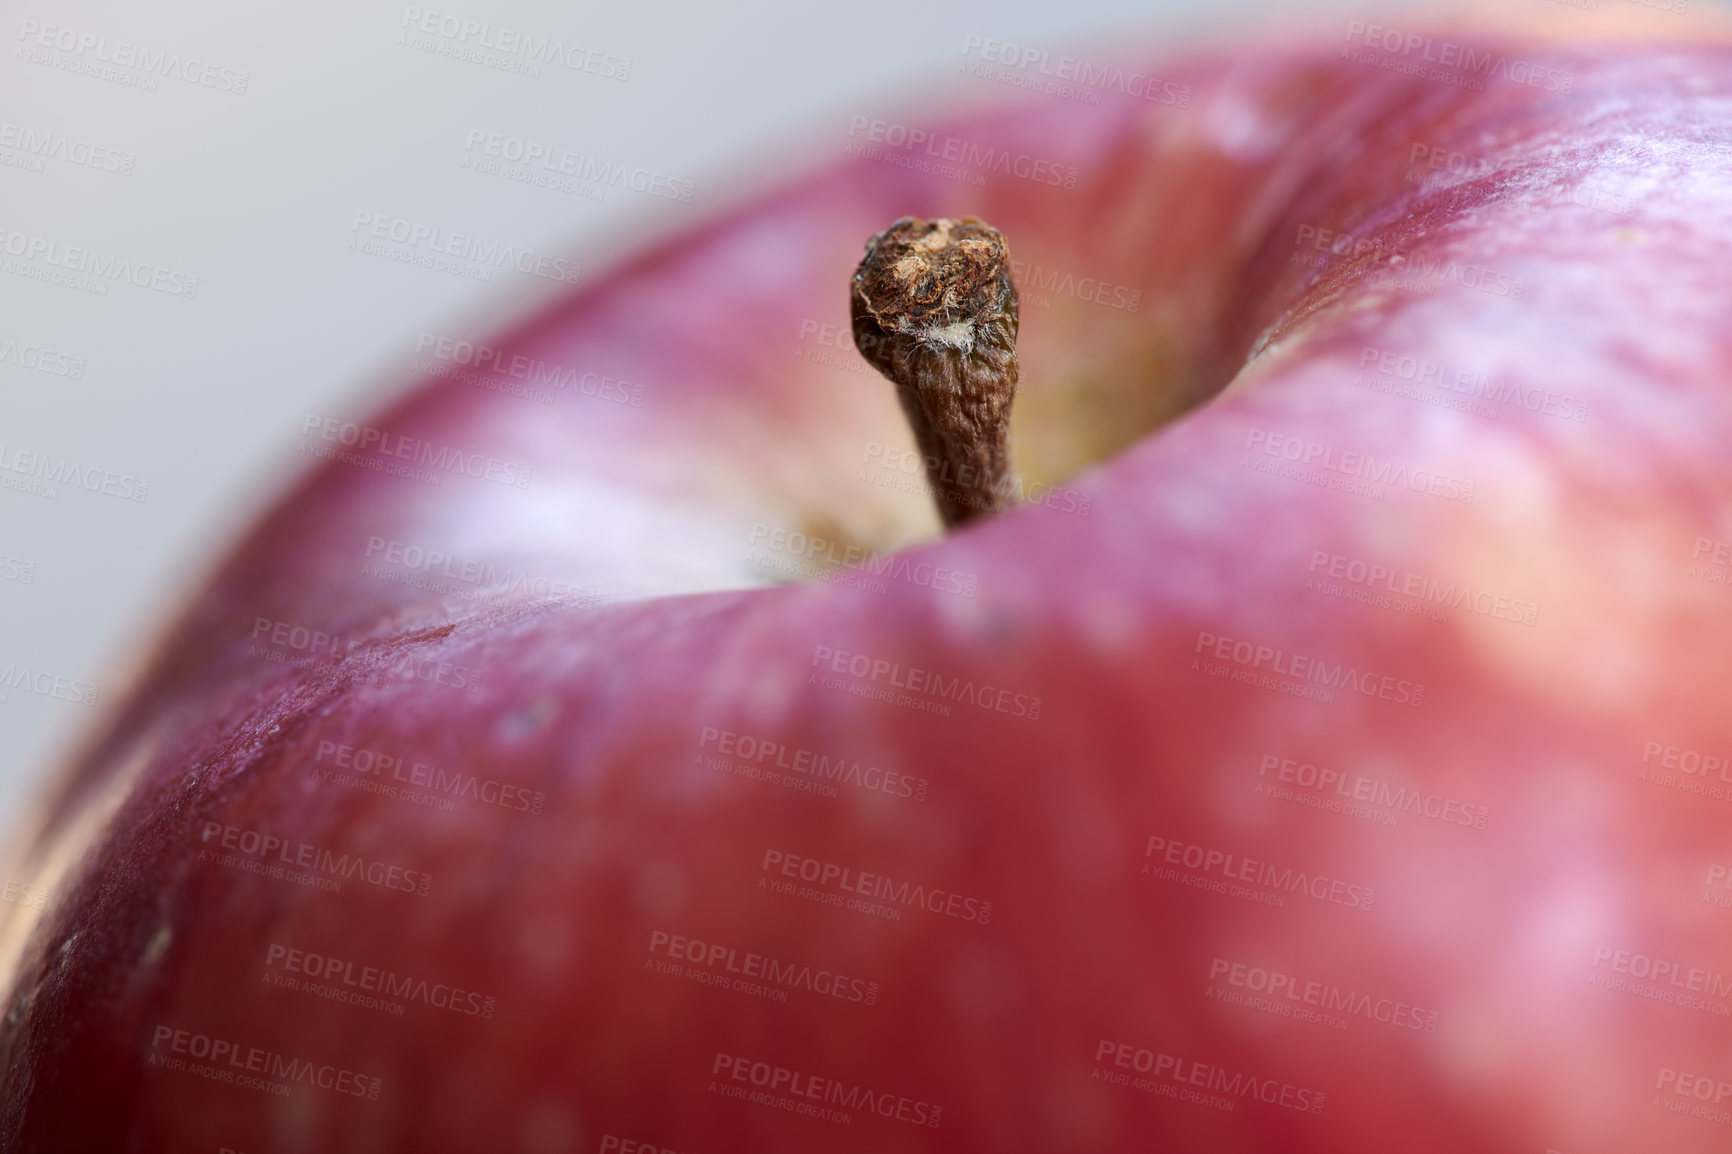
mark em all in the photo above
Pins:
pixel 935 311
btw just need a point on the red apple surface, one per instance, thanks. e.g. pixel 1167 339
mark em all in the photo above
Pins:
pixel 1342 767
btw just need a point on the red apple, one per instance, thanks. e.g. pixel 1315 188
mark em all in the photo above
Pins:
pixel 1343 767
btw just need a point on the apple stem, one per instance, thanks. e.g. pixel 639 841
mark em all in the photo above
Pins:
pixel 935 311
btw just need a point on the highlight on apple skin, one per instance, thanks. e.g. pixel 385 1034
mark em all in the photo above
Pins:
pixel 1325 752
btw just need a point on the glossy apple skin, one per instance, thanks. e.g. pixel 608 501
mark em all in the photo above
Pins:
pixel 1024 1024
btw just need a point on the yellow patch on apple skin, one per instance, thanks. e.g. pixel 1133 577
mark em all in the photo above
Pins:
pixel 1074 412
pixel 1617 615
pixel 825 548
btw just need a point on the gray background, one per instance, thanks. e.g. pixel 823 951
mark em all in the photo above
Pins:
pixel 255 194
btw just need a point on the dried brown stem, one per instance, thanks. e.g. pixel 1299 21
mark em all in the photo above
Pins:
pixel 935 311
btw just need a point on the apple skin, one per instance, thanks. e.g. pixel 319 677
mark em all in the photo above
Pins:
pixel 1515 935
